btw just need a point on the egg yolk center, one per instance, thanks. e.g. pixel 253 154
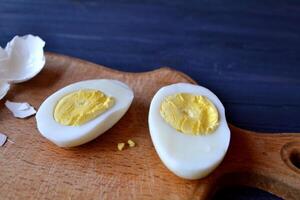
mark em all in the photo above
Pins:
pixel 190 114
pixel 80 107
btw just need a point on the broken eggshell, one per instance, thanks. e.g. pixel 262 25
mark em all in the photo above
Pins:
pixel 22 59
pixel 3 139
pixel 20 109
pixel 4 87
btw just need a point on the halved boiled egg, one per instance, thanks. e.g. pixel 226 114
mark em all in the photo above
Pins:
pixel 82 111
pixel 188 129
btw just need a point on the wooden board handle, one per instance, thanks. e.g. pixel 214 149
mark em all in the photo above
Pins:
pixel 267 161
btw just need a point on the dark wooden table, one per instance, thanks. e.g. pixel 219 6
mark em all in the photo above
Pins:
pixel 247 52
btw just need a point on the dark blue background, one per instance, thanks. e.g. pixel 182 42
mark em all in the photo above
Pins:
pixel 247 52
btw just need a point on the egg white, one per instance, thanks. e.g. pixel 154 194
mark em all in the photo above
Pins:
pixel 70 136
pixel 188 156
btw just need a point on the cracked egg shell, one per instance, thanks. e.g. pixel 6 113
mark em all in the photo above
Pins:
pixel 4 87
pixel 22 59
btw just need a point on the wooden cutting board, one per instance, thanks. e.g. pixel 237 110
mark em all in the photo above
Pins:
pixel 34 168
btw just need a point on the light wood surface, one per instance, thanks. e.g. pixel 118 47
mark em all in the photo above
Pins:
pixel 34 168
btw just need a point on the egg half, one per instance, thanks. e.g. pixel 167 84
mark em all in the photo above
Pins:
pixel 188 128
pixel 80 112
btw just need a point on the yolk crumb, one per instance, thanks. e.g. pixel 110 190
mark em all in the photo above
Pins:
pixel 80 107
pixel 121 146
pixel 131 143
pixel 190 114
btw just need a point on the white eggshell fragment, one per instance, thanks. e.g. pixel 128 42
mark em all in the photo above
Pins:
pixel 188 156
pixel 20 110
pixel 70 136
pixel 22 59
pixel 3 139
pixel 3 56
pixel 4 87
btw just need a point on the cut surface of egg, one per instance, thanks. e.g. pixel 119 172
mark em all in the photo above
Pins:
pixel 82 111
pixel 188 129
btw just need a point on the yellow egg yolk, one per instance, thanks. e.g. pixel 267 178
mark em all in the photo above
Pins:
pixel 190 114
pixel 80 107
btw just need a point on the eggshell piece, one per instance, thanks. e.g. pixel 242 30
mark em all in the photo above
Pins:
pixel 3 139
pixel 20 110
pixel 4 87
pixel 3 55
pixel 22 59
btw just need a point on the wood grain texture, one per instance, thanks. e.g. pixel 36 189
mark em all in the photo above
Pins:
pixel 34 168
pixel 247 52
